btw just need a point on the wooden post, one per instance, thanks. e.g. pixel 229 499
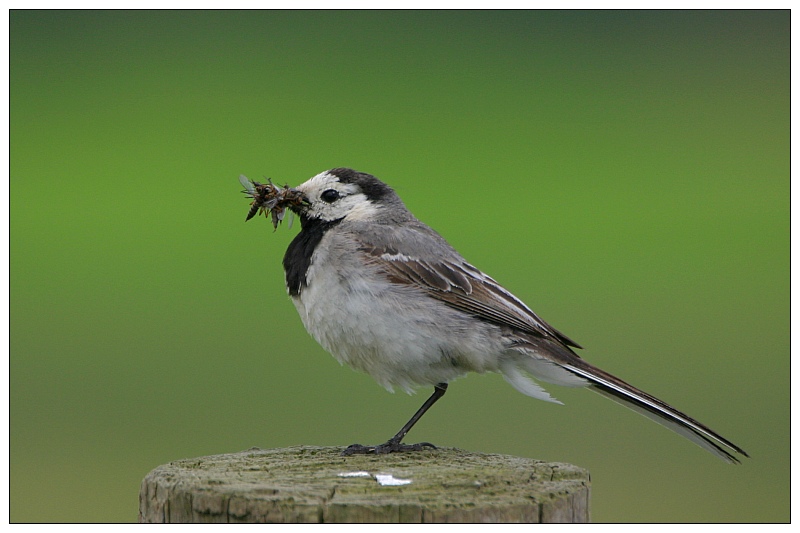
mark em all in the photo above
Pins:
pixel 316 484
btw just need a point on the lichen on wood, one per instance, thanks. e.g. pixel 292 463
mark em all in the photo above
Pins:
pixel 316 484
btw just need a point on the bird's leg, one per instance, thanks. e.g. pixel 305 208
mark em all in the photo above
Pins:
pixel 395 444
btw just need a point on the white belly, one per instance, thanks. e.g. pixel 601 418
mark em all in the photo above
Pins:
pixel 398 336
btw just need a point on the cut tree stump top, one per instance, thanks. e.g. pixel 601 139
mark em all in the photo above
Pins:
pixel 317 484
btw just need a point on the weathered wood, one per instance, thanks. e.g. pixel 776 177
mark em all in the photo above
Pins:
pixel 316 484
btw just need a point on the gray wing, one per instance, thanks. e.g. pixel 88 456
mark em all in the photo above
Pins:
pixel 450 279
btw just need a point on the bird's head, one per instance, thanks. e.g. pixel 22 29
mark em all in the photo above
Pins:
pixel 343 193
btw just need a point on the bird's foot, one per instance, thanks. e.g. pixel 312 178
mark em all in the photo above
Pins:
pixel 391 446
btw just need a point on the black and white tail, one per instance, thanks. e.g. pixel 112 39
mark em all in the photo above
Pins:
pixel 658 411
pixel 561 366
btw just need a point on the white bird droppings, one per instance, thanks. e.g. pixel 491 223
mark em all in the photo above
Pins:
pixel 390 480
pixel 354 474
pixel 385 480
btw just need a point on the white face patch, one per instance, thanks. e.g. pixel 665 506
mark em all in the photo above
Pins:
pixel 351 202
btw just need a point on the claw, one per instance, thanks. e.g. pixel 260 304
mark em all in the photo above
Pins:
pixel 387 447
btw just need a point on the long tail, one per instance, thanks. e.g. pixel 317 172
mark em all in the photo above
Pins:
pixel 656 410
pixel 562 366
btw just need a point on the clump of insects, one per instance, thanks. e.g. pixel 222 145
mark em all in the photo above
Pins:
pixel 267 198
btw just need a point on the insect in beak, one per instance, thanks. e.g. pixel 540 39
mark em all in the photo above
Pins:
pixel 267 198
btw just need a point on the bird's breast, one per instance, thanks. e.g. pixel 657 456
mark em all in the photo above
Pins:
pixel 395 333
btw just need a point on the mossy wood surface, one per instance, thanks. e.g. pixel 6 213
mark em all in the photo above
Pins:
pixel 317 484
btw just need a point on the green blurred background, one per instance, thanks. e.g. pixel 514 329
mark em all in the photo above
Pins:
pixel 624 173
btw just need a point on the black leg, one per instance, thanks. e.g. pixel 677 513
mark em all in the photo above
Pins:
pixel 395 444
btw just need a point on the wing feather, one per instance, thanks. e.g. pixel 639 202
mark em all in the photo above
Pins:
pixel 464 287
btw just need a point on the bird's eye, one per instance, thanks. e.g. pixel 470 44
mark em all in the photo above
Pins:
pixel 330 196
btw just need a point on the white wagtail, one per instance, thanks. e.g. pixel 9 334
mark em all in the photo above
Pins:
pixel 387 295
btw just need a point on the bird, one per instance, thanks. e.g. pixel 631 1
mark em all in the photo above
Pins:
pixel 387 295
